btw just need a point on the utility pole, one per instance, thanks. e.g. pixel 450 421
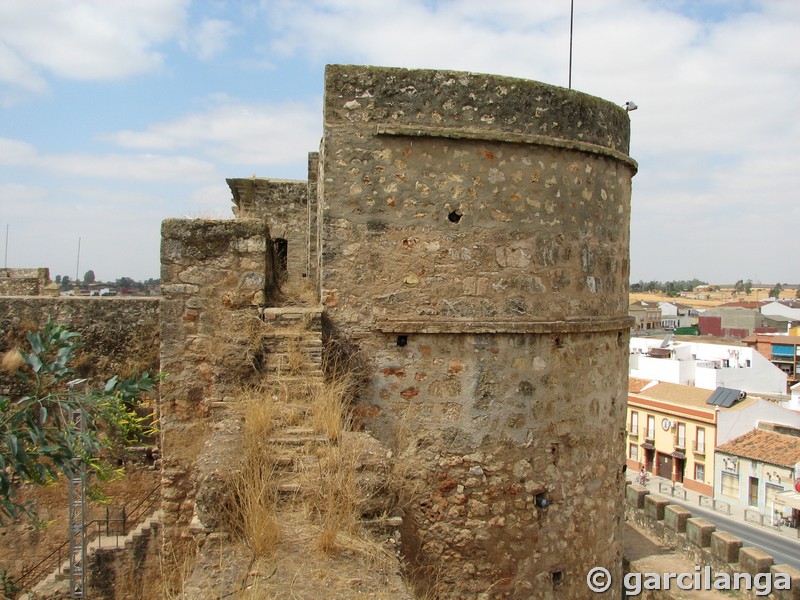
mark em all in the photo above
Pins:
pixel 571 13
pixel 78 266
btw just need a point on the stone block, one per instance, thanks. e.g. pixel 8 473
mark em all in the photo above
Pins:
pixel 654 507
pixel 793 593
pixel 698 531
pixel 635 494
pixel 754 560
pixel 725 546
pixel 675 517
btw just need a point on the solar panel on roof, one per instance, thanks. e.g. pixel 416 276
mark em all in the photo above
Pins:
pixel 724 397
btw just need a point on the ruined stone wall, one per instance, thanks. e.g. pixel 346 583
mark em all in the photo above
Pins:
pixel 474 244
pixel 283 204
pixel 23 282
pixel 214 276
pixel 311 217
pixel 117 335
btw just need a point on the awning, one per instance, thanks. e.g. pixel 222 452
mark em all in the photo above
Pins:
pixel 789 498
pixel 677 454
pixel 648 446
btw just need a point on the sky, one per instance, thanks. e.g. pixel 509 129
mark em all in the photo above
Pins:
pixel 117 114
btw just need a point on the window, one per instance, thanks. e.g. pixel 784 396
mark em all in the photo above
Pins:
pixel 700 440
pixel 634 422
pixel 651 426
pixel 680 439
pixel 699 472
pixel 730 485
pixel 633 452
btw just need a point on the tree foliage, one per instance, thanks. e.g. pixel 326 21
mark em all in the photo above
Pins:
pixel 775 292
pixel 671 288
pixel 40 435
pixel 89 277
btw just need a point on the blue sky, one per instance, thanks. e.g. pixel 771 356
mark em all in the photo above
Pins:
pixel 115 114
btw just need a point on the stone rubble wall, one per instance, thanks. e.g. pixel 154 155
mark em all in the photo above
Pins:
pixel 214 278
pixel 475 247
pixel 283 204
pixel 117 335
pixel 699 540
pixel 23 282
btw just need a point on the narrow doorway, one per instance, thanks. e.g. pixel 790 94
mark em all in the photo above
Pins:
pixel 281 246
pixel 752 496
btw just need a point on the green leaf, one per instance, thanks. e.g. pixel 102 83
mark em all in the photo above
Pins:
pixel 42 415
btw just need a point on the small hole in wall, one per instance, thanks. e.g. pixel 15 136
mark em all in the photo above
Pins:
pixel 402 340
pixel 454 217
pixel 557 342
pixel 557 577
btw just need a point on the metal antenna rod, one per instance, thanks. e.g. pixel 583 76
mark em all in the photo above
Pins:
pixel 571 13
pixel 5 265
pixel 78 265
pixel 77 506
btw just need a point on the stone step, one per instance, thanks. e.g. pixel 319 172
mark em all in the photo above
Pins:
pixel 289 488
pixel 299 440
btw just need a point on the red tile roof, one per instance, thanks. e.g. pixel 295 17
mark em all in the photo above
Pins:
pixel 765 446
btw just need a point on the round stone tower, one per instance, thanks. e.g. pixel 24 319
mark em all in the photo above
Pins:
pixel 474 244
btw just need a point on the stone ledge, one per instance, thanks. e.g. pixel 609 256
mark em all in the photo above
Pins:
pixel 405 326
pixel 454 133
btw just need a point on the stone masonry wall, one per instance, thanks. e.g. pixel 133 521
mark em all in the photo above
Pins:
pixel 474 245
pixel 23 282
pixel 283 204
pixel 118 335
pixel 214 277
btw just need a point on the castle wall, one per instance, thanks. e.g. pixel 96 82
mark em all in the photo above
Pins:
pixel 117 335
pixel 474 244
pixel 283 204
pixel 23 282
pixel 214 276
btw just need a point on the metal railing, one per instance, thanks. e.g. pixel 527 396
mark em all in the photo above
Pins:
pixel 714 504
pixel 699 447
pixel 648 434
pixel 672 490
pixel 110 527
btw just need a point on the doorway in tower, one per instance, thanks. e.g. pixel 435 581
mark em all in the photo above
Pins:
pixel 281 246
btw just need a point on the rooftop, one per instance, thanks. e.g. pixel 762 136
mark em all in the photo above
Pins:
pixel 765 446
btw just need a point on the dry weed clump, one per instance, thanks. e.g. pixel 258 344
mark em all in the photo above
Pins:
pixel 255 499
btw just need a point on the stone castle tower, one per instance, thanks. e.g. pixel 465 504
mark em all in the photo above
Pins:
pixel 469 234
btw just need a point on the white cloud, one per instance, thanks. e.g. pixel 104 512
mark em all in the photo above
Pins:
pixel 254 135
pixel 134 167
pixel 87 40
pixel 209 38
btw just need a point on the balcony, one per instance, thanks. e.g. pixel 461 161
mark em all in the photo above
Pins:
pixel 649 434
pixel 699 447
pixel 679 441
pixel 633 432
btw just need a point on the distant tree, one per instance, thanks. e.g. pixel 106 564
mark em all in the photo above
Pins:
pixel 775 292
pixel 748 287
pixel 88 277
pixel 65 282
pixel 797 293
pixel 58 279
pixel 126 282
pixel 738 287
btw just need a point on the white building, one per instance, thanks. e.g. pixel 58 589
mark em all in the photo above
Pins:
pixel 704 365
pixel 785 308
pixel 675 315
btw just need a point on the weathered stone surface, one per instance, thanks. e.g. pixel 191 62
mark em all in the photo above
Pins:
pixel 725 546
pixel 675 518
pixel 754 560
pixel 698 531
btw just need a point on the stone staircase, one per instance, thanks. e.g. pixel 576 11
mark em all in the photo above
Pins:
pixel 293 358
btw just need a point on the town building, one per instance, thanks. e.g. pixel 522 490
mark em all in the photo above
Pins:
pixel 705 365
pixel 759 470
pixel 673 429
pixel 646 315
pixel 783 351
pixel 675 315
pixel 739 320
pixel 785 308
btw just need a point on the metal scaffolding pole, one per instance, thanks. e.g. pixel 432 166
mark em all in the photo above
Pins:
pixel 77 507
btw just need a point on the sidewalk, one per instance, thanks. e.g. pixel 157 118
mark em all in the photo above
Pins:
pixel 664 487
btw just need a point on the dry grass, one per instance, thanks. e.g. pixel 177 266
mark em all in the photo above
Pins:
pixel 11 361
pixel 296 359
pixel 255 499
pixel 299 293
pixel 329 407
